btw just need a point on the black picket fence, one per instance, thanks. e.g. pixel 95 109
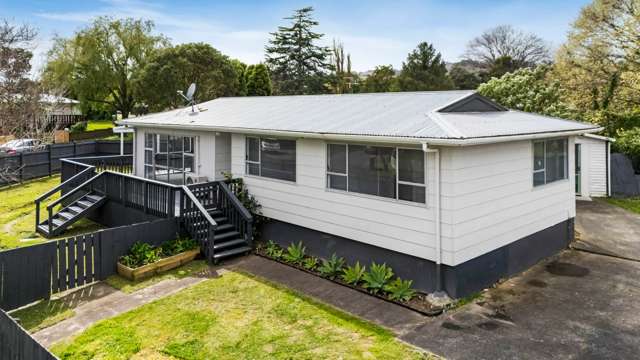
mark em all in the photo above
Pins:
pixel 36 164
pixel 17 344
pixel 36 272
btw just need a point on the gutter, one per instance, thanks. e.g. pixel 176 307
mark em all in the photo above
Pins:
pixel 373 138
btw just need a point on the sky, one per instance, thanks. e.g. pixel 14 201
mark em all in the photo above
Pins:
pixel 373 32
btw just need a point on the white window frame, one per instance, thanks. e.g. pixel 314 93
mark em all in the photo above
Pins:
pixel 544 157
pixel 259 162
pixel 155 149
pixel 398 182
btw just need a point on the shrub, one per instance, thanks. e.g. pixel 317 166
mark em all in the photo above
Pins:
pixel 353 274
pixel 141 254
pixel 78 127
pixel 273 250
pixel 178 245
pixel 400 290
pixel 332 267
pixel 310 263
pixel 377 277
pixel 295 253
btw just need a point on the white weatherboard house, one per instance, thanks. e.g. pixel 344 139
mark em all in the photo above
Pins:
pixel 448 188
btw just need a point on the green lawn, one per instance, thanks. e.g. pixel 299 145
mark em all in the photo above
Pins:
pixel 99 125
pixel 235 316
pixel 17 213
pixel 632 204
pixel 191 269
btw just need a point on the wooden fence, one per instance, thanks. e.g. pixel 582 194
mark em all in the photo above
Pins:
pixel 31 165
pixel 17 344
pixel 36 272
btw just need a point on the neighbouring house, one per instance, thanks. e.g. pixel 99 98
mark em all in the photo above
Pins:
pixel 450 189
pixel 60 111
pixel 593 166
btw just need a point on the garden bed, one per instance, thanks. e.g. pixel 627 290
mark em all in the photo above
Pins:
pixel 413 300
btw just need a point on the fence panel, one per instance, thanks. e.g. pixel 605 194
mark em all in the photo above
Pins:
pixel 17 344
pixel 36 272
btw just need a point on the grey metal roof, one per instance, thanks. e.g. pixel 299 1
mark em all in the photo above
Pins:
pixel 406 114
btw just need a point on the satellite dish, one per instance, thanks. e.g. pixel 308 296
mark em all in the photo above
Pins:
pixel 191 90
pixel 189 96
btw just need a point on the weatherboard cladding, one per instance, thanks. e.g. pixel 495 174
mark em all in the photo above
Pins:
pixel 407 114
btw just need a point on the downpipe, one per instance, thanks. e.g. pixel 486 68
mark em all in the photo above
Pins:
pixel 438 216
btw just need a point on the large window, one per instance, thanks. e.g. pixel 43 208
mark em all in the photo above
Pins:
pixel 550 161
pixel 389 172
pixel 272 158
pixel 168 158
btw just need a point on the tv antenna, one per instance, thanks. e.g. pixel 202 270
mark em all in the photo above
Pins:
pixel 189 96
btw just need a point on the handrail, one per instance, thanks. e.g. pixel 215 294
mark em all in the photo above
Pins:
pixel 99 157
pixel 198 205
pixel 62 185
pixel 236 203
pixel 67 195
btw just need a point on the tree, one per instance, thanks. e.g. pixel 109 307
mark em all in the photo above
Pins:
pixel 258 80
pixel 174 68
pixel 241 72
pixel 424 70
pixel 100 63
pixel 382 79
pixel 528 90
pixel 465 75
pixel 296 63
pixel 20 110
pixel 502 42
pixel 343 78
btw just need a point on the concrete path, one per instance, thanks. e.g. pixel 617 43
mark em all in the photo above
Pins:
pixel 107 302
pixel 607 229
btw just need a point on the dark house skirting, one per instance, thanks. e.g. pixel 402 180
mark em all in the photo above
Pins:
pixel 458 281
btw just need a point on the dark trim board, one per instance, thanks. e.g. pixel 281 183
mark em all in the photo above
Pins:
pixel 459 281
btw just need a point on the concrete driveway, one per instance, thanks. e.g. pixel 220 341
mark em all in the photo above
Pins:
pixel 576 305
pixel 607 229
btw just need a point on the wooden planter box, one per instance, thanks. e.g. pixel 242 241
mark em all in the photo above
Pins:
pixel 157 267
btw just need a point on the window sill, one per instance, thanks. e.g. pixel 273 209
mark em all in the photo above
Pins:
pixel 551 184
pixel 378 198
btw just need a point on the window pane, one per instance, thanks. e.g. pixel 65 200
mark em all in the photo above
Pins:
pixel 252 149
pixel 175 161
pixel 538 155
pixel 253 169
pixel 161 160
pixel 337 182
pixel 148 140
pixel 337 158
pixel 411 193
pixel 411 166
pixel 556 159
pixel 163 143
pixel 372 170
pixel 189 145
pixel 188 163
pixel 148 172
pixel 175 144
pixel 148 157
pixel 538 178
pixel 278 159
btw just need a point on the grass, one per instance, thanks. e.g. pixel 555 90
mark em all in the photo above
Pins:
pixel 44 314
pixel 631 204
pixel 191 269
pixel 235 316
pixel 99 125
pixel 17 214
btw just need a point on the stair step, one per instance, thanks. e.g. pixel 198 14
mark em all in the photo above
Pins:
pixel 220 220
pixel 83 203
pixel 225 236
pixel 44 228
pixel 66 214
pixel 224 228
pixel 57 222
pixel 227 244
pixel 231 252
pixel 94 198
pixel 214 212
pixel 74 209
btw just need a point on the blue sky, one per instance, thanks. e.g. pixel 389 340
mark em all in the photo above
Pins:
pixel 374 32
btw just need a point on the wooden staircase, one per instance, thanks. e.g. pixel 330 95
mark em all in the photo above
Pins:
pixel 227 241
pixel 68 215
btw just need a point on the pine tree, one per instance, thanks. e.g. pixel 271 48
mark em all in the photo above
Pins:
pixel 258 80
pixel 424 70
pixel 296 63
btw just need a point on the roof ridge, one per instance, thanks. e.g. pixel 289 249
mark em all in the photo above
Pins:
pixel 444 125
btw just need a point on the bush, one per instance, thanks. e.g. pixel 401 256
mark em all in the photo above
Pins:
pixel 310 263
pixel 177 246
pixel 353 274
pixel 78 127
pixel 273 250
pixel 141 254
pixel 628 143
pixel 377 277
pixel 295 253
pixel 332 267
pixel 400 290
